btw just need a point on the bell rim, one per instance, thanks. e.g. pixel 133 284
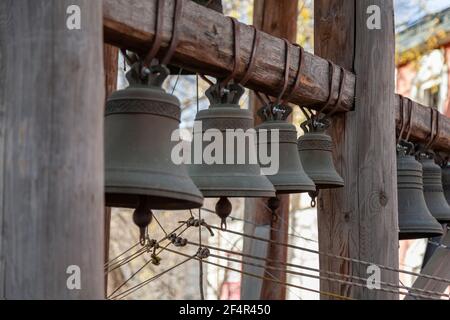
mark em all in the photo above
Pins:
pixel 412 234
pixel 235 193
pixel 170 199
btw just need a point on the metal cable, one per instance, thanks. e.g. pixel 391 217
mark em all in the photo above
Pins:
pixel 336 274
pixel 268 279
pixel 333 256
pixel 144 283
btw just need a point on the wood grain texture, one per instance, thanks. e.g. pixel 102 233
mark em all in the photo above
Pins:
pixel 360 220
pixel 51 159
pixel 206 46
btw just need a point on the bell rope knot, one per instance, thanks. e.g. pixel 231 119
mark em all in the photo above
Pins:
pixel 192 222
pixel 223 210
pixel 177 241
pixel 155 259
pixel 142 217
pixel 203 253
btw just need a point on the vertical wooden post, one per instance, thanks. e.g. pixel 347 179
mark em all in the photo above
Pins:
pixel 111 68
pixel 360 221
pixel 51 167
pixel 278 18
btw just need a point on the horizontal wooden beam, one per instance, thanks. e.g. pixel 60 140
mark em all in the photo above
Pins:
pixel 206 46
pixel 421 125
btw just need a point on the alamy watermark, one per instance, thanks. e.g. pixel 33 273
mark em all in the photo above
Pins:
pixel 233 146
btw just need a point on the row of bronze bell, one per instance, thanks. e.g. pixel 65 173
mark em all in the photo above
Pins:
pixel 139 122
pixel 422 204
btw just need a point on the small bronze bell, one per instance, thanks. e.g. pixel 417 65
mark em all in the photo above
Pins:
pixel 290 178
pixel 234 174
pixel 315 149
pixel 230 178
pixel 446 182
pixel 433 190
pixel 414 219
pixel 139 123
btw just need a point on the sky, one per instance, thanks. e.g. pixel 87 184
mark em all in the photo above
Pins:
pixel 407 11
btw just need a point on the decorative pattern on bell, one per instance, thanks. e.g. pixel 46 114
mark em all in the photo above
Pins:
pixel 228 177
pixel 414 219
pixel 315 148
pixel 290 178
pixel 433 190
pixel 139 123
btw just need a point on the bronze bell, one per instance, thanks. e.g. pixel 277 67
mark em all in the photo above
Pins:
pixel 228 178
pixel 414 219
pixel 446 182
pixel 315 149
pixel 433 190
pixel 290 178
pixel 139 123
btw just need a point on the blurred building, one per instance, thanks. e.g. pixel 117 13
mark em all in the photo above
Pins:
pixel 423 55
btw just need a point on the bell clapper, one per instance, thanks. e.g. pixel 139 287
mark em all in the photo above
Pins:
pixel 223 210
pixel 142 217
pixel 313 195
pixel 273 204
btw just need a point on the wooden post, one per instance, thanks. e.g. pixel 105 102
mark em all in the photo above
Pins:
pixel 111 68
pixel 360 221
pixel 278 18
pixel 51 150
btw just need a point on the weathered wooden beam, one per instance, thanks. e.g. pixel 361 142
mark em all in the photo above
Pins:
pixel 51 152
pixel 206 46
pixel 421 125
pixel 359 221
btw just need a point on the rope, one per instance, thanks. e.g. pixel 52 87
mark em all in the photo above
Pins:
pixel 127 292
pixel 334 256
pixel 435 293
pixel 202 255
pixel 319 277
pixel 121 254
pixel 268 279
pixel 294 234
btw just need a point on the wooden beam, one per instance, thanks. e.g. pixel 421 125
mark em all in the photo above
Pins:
pixel 206 47
pixel 51 165
pixel 360 220
pixel 421 128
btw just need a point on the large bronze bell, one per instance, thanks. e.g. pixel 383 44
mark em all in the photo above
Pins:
pixel 290 178
pixel 315 149
pixel 139 123
pixel 433 190
pixel 414 219
pixel 228 178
